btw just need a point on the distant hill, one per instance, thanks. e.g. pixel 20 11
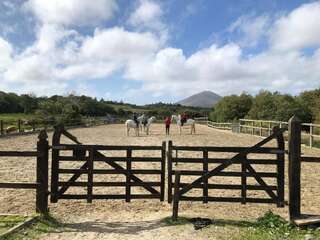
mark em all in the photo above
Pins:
pixel 204 99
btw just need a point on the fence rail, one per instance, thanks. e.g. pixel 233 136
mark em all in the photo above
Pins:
pixel 41 184
pixel 20 126
pixel 91 154
pixel 310 133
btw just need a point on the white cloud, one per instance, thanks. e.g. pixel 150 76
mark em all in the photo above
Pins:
pixel 5 54
pixel 72 12
pixel 147 11
pixel 117 44
pixel 298 29
pixel 148 16
pixel 251 29
pixel 62 58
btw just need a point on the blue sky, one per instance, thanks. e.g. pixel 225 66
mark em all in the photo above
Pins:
pixel 145 51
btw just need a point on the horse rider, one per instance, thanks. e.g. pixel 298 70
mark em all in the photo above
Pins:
pixel 135 119
pixel 183 118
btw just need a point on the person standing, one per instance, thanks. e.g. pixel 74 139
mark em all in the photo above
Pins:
pixel 167 122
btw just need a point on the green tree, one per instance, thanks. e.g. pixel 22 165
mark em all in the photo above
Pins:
pixel 231 108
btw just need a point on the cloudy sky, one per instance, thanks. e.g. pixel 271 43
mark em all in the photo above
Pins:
pixel 145 51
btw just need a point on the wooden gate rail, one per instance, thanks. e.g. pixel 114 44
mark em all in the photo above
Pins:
pixel 132 180
pixel 41 185
pixel 246 171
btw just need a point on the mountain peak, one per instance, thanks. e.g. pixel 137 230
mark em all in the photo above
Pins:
pixel 203 99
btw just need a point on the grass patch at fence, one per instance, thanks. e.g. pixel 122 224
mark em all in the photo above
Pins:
pixel 7 222
pixel 268 227
pixel 43 224
pixel 273 227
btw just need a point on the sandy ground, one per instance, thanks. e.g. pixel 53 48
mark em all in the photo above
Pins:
pixel 143 219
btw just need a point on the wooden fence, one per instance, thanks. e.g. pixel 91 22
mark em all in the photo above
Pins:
pixel 89 155
pixel 295 160
pixel 19 126
pixel 275 193
pixel 310 132
pixel 41 185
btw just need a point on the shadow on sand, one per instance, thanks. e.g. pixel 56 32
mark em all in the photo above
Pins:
pixel 139 226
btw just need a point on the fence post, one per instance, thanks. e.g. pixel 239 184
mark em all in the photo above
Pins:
pixel 280 167
pixel 128 178
pixel 19 125
pixel 42 173
pixel 269 129
pixel 169 163
pixel 1 127
pixel 294 167
pixel 205 171
pixel 176 196
pixel 244 179
pixel 55 164
pixel 260 130
pixel 311 136
pixel 252 129
pixel 163 170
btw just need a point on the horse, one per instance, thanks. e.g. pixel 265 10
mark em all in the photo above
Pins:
pixel 150 120
pixel 132 124
pixel 190 122
pixel 143 120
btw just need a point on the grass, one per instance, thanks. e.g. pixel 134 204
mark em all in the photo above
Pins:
pixel 43 224
pixel 268 227
pixel 11 117
pixel 7 222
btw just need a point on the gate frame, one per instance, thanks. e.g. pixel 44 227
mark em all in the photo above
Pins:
pixel 79 150
pixel 241 156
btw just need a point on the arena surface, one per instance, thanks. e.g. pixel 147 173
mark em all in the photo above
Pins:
pixel 143 219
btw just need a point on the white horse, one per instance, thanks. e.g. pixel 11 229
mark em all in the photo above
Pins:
pixel 132 124
pixel 150 120
pixel 142 119
pixel 190 122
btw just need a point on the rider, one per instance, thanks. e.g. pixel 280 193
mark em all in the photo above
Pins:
pixel 135 119
pixel 167 122
pixel 183 118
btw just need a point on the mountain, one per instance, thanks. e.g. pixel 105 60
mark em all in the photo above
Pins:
pixel 203 99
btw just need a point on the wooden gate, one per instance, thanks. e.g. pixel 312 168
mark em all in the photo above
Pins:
pixel 274 192
pixel 91 157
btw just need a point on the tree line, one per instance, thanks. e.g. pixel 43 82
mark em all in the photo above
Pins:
pixel 268 105
pixel 71 108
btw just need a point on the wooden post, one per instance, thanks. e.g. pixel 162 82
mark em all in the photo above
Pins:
pixel 252 129
pixel 128 179
pixel 269 128
pixel 260 130
pixel 90 175
pixel 55 164
pixel 163 170
pixel 280 168
pixel 42 173
pixel 169 163
pixel 294 167
pixel 205 171
pixel 19 126
pixel 311 136
pixel 33 126
pixel 244 179
pixel 1 127
pixel 176 196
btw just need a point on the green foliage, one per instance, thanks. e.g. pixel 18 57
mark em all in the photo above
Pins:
pixel 43 224
pixel 274 227
pixel 269 106
pixel 231 108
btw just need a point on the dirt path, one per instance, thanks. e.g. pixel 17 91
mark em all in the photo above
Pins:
pixel 141 219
